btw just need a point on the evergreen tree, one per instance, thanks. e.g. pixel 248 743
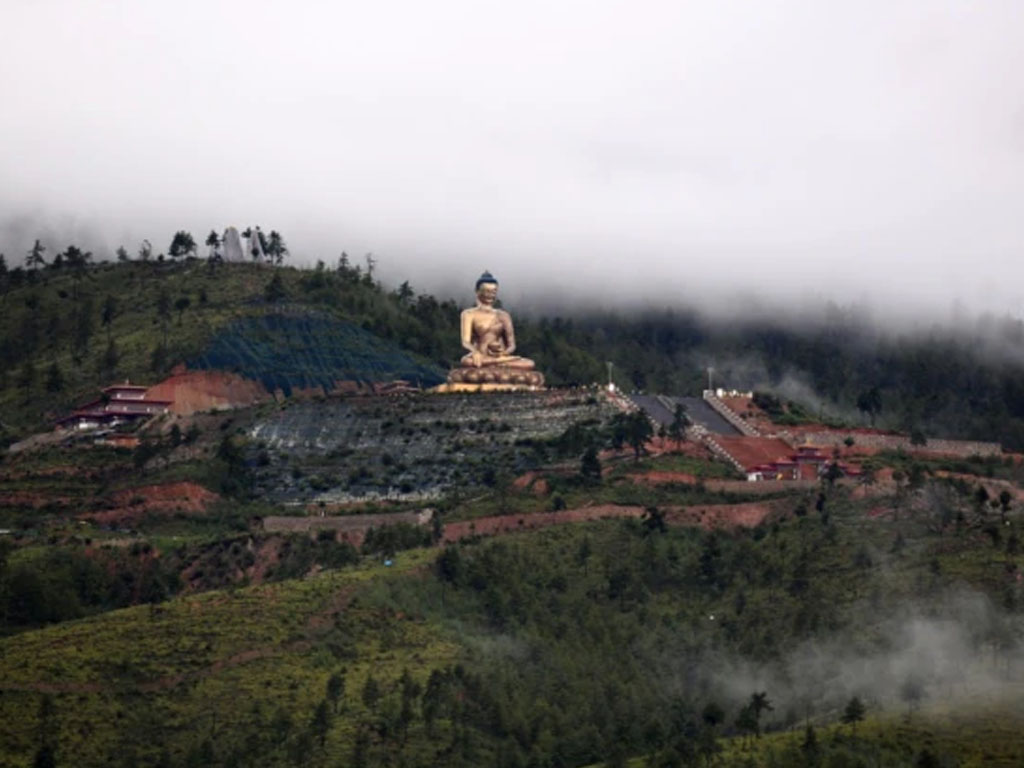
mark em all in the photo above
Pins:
pixel 83 327
pixel 677 429
pixel 870 402
pixel 182 245
pixel 181 304
pixel 638 432
pixel 44 757
pixel 590 464
pixel 810 747
pixel 163 311
pixel 275 248
pixel 108 313
pixel 321 721
pixel 405 293
pixel 854 713
pixel 110 358
pixel 34 258
pixel 76 259
pixel 336 688
pixel 158 358
pixel 54 378
pixel 371 692
pixel 274 291
pixel 213 242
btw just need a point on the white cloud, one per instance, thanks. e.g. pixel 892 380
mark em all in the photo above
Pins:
pixel 790 148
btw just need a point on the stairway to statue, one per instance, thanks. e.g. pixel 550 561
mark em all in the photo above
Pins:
pixel 661 408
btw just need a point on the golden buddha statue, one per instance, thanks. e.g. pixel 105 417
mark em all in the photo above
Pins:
pixel 490 343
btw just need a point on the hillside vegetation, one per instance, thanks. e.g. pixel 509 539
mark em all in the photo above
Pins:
pixel 563 647
pixel 66 330
pixel 306 580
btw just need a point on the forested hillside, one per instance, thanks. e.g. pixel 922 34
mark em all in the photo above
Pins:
pixel 305 580
pixel 71 325
pixel 577 645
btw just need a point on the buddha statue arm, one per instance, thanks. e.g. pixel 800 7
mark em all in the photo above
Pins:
pixel 475 356
pixel 510 334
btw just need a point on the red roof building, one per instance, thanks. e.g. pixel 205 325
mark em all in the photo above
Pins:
pixel 120 403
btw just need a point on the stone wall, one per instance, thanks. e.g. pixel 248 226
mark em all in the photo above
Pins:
pixel 959 448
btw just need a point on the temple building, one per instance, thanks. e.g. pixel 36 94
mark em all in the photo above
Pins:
pixel 119 404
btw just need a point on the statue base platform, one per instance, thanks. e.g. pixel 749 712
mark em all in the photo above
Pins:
pixel 449 389
pixel 492 378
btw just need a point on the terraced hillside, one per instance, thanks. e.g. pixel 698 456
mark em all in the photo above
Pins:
pixel 342 450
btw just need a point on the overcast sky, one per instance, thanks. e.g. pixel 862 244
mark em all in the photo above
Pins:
pixel 783 149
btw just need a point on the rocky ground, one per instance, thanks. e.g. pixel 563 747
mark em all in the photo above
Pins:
pixel 408 448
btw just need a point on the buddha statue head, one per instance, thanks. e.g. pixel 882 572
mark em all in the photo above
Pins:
pixel 487 289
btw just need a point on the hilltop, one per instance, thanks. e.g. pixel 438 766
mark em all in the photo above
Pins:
pixel 68 330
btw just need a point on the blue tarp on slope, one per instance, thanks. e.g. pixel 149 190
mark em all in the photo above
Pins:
pixel 289 352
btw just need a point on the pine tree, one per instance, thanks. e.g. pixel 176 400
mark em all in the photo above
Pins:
pixel 274 291
pixel 336 688
pixel 371 692
pixel 854 713
pixel 182 244
pixel 108 313
pixel 590 464
pixel 163 311
pixel 275 248
pixel 181 304
pixel 321 721
pixel 34 258
pixel 213 241
pixel 110 358
pixel 677 429
pixel 54 378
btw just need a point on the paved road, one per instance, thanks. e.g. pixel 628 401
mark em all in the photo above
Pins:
pixel 698 411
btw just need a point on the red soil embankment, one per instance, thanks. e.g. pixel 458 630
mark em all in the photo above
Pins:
pixel 490 526
pixel 192 391
pixel 172 498
pixel 752 451
pixel 747 515
pixel 664 478
pixel 34 499
pixel 707 516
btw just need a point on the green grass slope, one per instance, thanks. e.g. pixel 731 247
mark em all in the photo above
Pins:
pixel 560 647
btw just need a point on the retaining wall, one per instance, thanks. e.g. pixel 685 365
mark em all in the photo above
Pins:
pixel 960 448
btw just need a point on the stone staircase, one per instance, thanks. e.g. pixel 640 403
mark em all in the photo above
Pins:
pixel 729 414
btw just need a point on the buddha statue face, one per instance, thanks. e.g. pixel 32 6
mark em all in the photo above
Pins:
pixel 487 293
